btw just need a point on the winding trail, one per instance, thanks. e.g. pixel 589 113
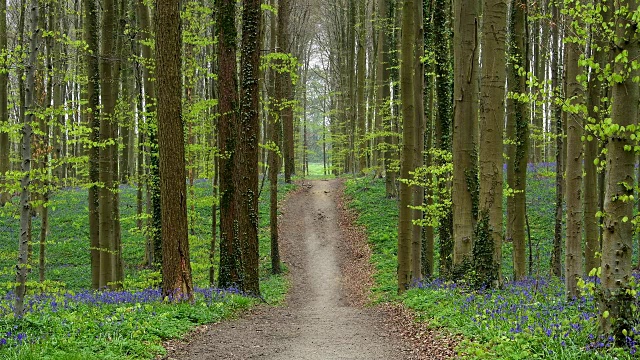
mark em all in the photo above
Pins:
pixel 317 323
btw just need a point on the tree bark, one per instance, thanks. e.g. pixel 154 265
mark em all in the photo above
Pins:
pixel 229 274
pixel 488 241
pixel 5 195
pixel 248 149
pixel 465 131
pixel 408 145
pixel 518 136
pixel 25 207
pixel 573 174
pixel 617 243
pixel 176 265
pixel 92 115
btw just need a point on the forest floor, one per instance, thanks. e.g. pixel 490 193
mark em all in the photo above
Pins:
pixel 325 316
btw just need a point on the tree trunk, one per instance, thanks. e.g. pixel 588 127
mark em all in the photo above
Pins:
pixel 176 265
pixel 248 149
pixel 230 271
pixel 419 128
pixel 465 137
pixel 573 175
pixel 518 135
pixel 284 42
pixel 25 207
pixel 92 115
pixel 275 127
pixel 617 243
pixel 5 195
pixel 408 145
pixel 442 137
pixel 488 241
pixel 361 69
pixel 557 84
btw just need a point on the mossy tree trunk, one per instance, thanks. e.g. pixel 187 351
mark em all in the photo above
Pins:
pixel 248 150
pixel 228 104
pixel 518 136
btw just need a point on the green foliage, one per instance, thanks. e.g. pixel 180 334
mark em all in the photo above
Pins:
pixel 524 320
pixel 114 331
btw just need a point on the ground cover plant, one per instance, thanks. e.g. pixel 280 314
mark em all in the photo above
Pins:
pixel 522 320
pixel 64 320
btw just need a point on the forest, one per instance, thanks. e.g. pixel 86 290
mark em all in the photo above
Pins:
pixel 239 178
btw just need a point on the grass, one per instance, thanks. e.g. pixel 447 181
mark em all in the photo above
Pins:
pixel 64 320
pixel 524 320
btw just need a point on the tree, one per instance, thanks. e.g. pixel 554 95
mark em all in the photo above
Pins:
pixel 284 42
pixel 275 129
pixel 4 115
pixel 248 150
pixel 418 149
pixel 442 128
pixel 25 153
pixel 106 176
pixel 176 264
pixel 408 143
pixel 230 271
pixel 465 129
pixel 616 300
pixel 92 115
pixel 488 242
pixel 573 194
pixel 517 136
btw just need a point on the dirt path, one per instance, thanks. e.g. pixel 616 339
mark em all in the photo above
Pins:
pixel 317 322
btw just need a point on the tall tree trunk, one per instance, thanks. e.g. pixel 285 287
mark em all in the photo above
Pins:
pixel 557 86
pixel 408 145
pixel 276 95
pixel 25 152
pixel 442 137
pixel 488 241
pixel 106 206
pixel 617 243
pixel 518 136
pixel 284 42
pixel 590 185
pixel 230 272
pixel 419 128
pixel 248 149
pixel 465 132
pixel 361 69
pixel 176 265
pixel 5 195
pixel 92 115
pixel 153 182
pixel 573 175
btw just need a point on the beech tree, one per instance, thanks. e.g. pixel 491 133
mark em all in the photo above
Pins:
pixel 488 242
pixel 176 264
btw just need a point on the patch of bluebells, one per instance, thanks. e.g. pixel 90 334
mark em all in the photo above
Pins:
pixel 41 304
pixel 536 307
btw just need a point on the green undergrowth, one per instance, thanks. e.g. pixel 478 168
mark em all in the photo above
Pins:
pixel 64 320
pixel 523 320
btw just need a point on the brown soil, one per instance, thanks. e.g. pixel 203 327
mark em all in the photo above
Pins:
pixel 323 317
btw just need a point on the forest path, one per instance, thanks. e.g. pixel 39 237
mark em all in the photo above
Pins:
pixel 317 322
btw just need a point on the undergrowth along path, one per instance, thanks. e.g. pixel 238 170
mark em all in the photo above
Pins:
pixel 317 321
